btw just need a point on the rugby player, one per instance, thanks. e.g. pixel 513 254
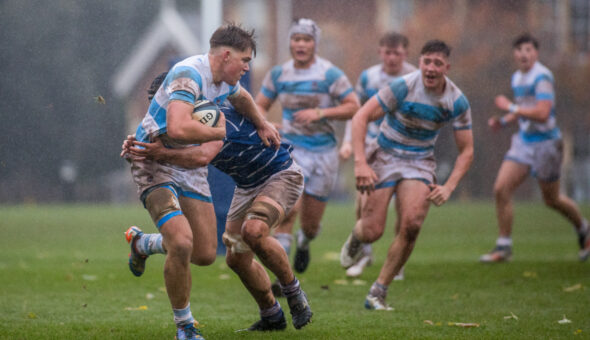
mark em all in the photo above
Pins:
pixel 401 160
pixel 179 199
pixel 313 94
pixel 537 148
pixel 392 51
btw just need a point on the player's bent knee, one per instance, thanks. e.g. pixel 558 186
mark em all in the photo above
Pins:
pixel 253 232
pixel 411 230
pixel 372 230
pixel 264 212
pixel 373 234
pixel 180 245
pixel 162 204
pixel 551 202
pixel 204 258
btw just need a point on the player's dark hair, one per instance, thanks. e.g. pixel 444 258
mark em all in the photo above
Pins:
pixel 436 46
pixel 393 40
pixel 525 38
pixel 234 36
pixel 155 85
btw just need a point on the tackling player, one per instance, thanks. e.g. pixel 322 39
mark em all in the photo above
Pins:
pixel 401 160
pixel 536 149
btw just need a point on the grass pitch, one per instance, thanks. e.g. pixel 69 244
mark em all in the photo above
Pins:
pixel 64 275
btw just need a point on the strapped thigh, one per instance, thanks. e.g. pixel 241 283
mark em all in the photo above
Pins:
pixel 265 212
pixel 162 203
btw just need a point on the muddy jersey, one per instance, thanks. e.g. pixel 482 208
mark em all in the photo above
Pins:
pixel 322 85
pixel 244 157
pixel 368 84
pixel 414 116
pixel 189 80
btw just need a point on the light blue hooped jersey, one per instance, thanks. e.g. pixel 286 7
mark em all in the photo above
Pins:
pixel 414 116
pixel 368 84
pixel 189 80
pixel 528 88
pixel 322 85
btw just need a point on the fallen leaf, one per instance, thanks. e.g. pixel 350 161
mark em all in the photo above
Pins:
pixel 530 275
pixel 89 277
pixel 224 277
pixel 325 287
pixel 358 282
pixel 564 320
pixel 137 308
pixel 31 315
pixel 511 316
pixel 464 324
pixel 341 282
pixel 455 297
pixel 428 322
pixel 332 256
pixel 438 323
pixel 149 296
pixel 100 100
pixel 573 288
pixel 577 331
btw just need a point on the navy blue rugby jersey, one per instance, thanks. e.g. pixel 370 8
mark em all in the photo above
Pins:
pixel 244 157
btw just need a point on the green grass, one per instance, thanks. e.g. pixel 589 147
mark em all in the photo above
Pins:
pixel 63 275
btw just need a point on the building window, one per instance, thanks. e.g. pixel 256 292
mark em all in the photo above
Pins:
pixel 580 25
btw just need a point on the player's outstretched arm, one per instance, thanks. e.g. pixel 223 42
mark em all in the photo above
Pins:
pixel 188 158
pixel 244 104
pixel 439 194
pixel 182 127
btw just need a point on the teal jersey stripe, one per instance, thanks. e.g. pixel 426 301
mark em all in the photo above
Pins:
pixel 425 112
pixel 414 133
pixel 387 143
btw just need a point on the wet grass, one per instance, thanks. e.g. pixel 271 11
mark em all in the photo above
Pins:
pixel 63 275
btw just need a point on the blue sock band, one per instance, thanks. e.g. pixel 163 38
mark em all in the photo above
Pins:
pixel 273 313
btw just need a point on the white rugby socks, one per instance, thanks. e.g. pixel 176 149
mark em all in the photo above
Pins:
pixel 149 244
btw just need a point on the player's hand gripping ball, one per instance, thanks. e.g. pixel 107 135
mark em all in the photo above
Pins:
pixel 206 112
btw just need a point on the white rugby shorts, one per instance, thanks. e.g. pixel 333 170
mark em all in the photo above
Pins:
pixel 320 170
pixel 544 158
pixel 190 183
pixel 391 169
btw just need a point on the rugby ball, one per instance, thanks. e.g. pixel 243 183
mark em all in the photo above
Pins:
pixel 206 112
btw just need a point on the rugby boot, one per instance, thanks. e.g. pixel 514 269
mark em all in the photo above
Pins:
pixel 498 254
pixel 351 252
pixel 584 241
pixel 376 303
pixel 270 324
pixel 136 260
pixel 300 310
pixel 189 332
